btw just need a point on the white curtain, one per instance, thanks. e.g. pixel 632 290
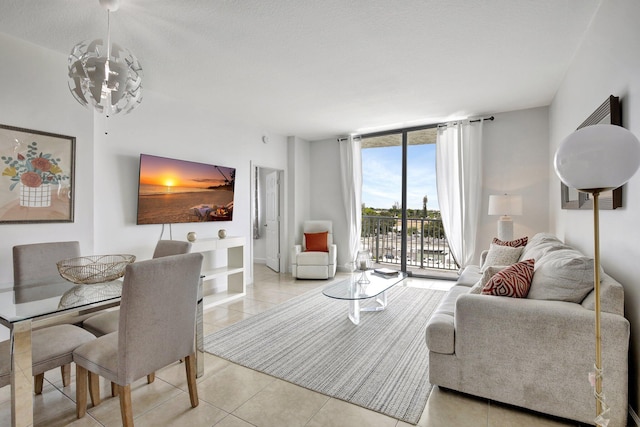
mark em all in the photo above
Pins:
pixel 459 182
pixel 351 174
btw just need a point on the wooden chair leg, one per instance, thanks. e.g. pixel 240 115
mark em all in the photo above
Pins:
pixel 125 405
pixel 81 391
pixel 114 389
pixel 94 388
pixel 190 366
pixel 38 383
pixel 65 370
pixel 151 377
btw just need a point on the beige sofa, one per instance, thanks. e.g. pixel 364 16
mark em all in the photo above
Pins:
pixel 534 353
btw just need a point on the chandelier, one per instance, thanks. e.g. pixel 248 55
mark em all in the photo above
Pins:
pixel 107 76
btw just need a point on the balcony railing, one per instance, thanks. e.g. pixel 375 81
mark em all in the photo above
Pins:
pixel 427 246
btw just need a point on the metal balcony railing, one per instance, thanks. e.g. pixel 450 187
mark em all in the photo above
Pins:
pixel 427 246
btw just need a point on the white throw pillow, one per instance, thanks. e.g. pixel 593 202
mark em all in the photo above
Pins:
pixel 562 275
pixel 501 255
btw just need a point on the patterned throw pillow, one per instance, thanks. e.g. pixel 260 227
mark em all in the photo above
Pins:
pixel 501 255
pixel 513 243
pixel 514 281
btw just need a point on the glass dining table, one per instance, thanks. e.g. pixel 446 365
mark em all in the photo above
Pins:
pixel 30 306
pixel 51 301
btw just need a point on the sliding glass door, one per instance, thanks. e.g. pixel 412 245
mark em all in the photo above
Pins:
pixel 401 217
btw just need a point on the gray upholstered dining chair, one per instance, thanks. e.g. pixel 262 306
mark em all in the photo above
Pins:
pixel 156 328
pixel 52 347
pixel 35 263
pixel 107 322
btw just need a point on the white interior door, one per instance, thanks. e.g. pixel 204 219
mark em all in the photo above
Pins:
pixel 272 216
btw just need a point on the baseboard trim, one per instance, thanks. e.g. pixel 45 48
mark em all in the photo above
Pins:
pixel 634 416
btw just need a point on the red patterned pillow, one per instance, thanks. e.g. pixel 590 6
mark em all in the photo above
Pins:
pixel 513 243
pixel 514 281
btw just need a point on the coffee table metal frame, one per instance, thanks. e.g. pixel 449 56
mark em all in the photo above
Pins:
pixel 354 290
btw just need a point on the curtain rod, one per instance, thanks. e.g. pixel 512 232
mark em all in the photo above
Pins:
pixel 344 138
pixel 490 118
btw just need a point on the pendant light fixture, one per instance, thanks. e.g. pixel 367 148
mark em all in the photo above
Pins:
pixel 105 75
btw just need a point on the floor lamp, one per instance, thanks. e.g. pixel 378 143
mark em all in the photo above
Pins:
pixel 595 159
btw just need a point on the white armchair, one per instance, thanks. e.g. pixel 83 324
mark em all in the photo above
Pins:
pixel 316 257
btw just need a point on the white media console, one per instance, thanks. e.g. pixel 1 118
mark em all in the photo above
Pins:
pixel 222 281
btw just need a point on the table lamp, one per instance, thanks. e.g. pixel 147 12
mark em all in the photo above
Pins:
pixel 594 159
pixel 505 205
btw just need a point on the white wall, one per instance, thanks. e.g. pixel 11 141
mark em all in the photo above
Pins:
pixel 35 96
pixel 298 178
pixel 516 161
pixel 607 63
pixel 326 188
pixel 169 128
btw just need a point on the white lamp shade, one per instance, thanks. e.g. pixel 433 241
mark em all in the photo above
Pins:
pixel 597 157
pixel 505 205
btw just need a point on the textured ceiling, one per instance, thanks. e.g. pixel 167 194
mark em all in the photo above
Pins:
pixel 316 69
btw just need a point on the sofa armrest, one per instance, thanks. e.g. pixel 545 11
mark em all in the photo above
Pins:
pixel 333 254
pixel 294 253
pixel 483 257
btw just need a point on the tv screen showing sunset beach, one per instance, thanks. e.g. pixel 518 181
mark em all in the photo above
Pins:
pixel 172 191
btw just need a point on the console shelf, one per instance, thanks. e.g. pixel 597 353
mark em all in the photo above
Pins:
pixel 221 283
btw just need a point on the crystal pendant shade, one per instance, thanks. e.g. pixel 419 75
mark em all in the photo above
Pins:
pixel 109 81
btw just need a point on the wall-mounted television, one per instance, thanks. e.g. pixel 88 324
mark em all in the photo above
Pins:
pixel 173 191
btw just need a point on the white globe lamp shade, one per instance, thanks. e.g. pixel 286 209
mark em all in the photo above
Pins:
pixel 597 158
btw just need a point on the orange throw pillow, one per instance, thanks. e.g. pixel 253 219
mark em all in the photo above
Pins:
pixel 316 242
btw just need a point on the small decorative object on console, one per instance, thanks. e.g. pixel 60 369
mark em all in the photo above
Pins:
pixel 222 233
pixel 192 236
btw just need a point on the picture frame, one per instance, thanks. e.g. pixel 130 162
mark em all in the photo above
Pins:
pixel 37 176
pixel 610 112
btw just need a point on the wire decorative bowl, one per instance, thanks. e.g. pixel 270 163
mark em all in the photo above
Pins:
pixel 86 270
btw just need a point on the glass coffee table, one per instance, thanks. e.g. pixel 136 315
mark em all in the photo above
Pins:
pixel 354 290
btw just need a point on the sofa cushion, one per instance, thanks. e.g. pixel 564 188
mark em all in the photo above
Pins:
pixel 514 281
pixel 469 276
pixel 313 258
pixel 540 244
pixel 562 275
pixel 501 255
pixel 513 243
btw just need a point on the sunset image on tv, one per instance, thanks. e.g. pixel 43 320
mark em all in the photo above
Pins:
pixel 172 191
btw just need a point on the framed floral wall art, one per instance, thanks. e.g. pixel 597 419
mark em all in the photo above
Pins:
pixel 36 184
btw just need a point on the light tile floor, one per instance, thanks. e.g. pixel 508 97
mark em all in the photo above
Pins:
pixel 234 396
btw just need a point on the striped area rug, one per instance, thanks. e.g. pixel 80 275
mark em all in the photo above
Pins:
pixel 381 364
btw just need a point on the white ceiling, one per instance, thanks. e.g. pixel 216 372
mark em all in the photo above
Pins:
pixel 320 68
